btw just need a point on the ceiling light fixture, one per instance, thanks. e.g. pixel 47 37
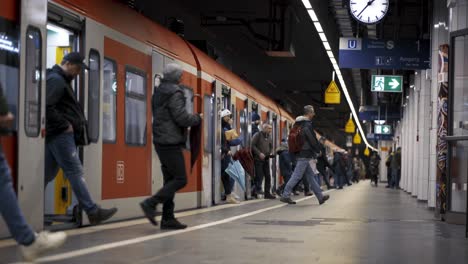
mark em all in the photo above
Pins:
pixel 307 4
pixel 319 29
pixel 322 36
pixel 312 15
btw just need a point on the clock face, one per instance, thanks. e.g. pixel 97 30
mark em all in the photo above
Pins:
pixel 368 11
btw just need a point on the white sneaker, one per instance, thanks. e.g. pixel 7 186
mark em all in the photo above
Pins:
pixel 44 241
pixel 235 196
pixel 230 199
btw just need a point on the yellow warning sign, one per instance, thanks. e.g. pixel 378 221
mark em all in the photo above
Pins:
pixel 366 152
pixel 357 138
pixel 332 94
pixel 350 127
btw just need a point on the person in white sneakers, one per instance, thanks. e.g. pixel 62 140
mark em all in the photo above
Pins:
pixel 32 244
pixel 226 144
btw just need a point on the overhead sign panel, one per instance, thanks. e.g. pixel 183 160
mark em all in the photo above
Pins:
pixel 379 137
pixel 388 112
pixel 387 83
pixel 383 129
pixel 384 54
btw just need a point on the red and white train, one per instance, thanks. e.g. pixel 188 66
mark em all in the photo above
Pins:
pixel 124 51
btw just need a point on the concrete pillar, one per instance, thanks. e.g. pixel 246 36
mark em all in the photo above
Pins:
pixel 409 169
pixel 404 161
pixel 412 134
pixel 406 147
pixel 424 133
pixel 417 123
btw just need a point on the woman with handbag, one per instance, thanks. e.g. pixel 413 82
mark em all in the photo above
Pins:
pixel 229 138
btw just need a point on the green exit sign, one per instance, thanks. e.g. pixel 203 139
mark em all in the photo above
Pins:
pixel 383 129
pixel 387 83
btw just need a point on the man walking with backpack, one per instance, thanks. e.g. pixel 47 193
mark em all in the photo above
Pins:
pixel 304 144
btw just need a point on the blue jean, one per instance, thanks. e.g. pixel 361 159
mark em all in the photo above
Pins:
pixel 9 208
pixel 395 175
pixel 61 152
pixel 318 179
pixel 303 169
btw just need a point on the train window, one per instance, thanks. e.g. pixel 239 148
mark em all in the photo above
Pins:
pixel 208 123
pixel 135 107
pixel 234 116
pixel 109 112
pixel 243 125
pixel 188 93
pixel 33 77
pixel 94 94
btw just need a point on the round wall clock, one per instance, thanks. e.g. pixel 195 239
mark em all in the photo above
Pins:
pixel 368 11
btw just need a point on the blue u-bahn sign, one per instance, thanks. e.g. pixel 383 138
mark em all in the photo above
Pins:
pixel 384 54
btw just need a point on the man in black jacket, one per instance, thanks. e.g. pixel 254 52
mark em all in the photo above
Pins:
pixel 66 129
pixel 32 244
pixel 262 147
pixel 322 163
pixel 170 123
pixel 310 150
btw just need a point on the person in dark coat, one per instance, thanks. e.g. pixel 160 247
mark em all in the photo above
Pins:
pixel 322 163
pixel 339 170
pixel 349 169
pixel 310 150
pixel 285 165
pixel 170 123
pixel 66 128
pixel 374 168
pixel 255 123
pixel 226 155
pixel 32 244
pixel 388 162
pixel 262 147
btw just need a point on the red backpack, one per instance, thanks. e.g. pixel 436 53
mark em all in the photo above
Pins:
pixel 295 139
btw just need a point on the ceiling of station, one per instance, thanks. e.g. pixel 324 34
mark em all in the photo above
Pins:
pixel 238 34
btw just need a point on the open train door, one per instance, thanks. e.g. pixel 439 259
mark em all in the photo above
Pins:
pixel 216 175
pixel 31 111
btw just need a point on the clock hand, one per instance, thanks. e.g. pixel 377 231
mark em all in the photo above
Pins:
pixel 368 4
pixel 363 10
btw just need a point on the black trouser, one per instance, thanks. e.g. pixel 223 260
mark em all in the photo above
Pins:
pixel 262 170
pixel 225 178
pixel 389 176
pixel 325 177
pixel 305 182
pixel 175 178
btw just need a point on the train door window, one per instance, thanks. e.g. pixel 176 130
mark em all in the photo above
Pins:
pixel 109 114
pixel 168 60
pixel 243 125
pixel 234 116
pixel 208 123
pixel 285 131
pixel 188 93
pixel 93 94
pixel 135 107
pixel 33 81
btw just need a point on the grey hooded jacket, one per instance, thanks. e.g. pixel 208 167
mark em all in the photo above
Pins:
pixel 170 118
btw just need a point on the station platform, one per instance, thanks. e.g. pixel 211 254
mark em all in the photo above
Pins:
pixel 360 224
